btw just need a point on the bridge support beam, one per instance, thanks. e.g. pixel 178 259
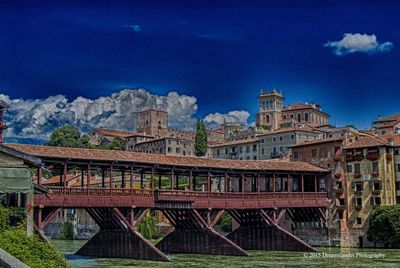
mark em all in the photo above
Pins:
pixel 117 238
pixel 195 235
pixel 259 230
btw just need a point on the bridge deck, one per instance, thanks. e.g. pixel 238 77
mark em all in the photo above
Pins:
pixel 105 197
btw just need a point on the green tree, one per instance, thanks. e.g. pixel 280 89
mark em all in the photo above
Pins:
pixel 201 145
pixel 116 144
pixel 67 231
pixel 384 226
pixel 68 136
pixel 148 227
pixel 226 222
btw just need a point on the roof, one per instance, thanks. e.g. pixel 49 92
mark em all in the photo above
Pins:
pixel 114 133
pixel 301 106
pixel 291 129
pixel 235 142
pixel 165 138
pixel 367 141
pixel 393 117
pixel 158 159
pixel 307 143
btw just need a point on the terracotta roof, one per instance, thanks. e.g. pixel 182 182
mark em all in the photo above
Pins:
pixel 316 142
pixel 236 142
pixel 114 133
pixel 56 179
pixel 367 141
pixel 394 117
pixel 292 129
pixel 301 106
pixel 182 161
pixel 395 138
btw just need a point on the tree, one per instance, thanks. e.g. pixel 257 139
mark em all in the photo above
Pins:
pixel 148 227
pixel 201 145
pixel 116 144
pixel 67 231
pixel 69 136
pixel 384 226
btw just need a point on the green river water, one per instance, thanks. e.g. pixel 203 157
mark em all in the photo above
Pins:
pixel 325 257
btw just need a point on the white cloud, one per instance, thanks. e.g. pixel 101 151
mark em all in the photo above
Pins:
pixel 39 117
pixel 136 28
pixel 215 119
pixel 357 42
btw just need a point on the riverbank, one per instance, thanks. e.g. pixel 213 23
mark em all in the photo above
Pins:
pixel 325 257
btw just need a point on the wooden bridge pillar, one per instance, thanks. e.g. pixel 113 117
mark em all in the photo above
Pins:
pixel 195 235
pixel 260 230
pixel 117 237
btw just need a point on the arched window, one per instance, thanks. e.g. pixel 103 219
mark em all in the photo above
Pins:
pixel 267 118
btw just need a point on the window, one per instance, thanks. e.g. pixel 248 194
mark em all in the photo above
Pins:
pixel 169 149
pixel 169 141
pixel 247 149
pixel 376 186
pixel 178 150
pixel 349 168
pixel 341 202
pixel 323 152
pixel 240 149
pixel 298 117
pixel 375 167
pixel 184 153
pixel 217 152
pixel 226 150
pixel 292 136
pixel 340 215
pixel 358 186
pixel 267 118
pixel 281 138
pixel 306 117
pixel 358 221
pixel 357 168
pixel 248 158
pixel 396 152
pixel 398 167
pixel 357 201
pixel 296 155
pixel 254 157
pixel 375 200
pixel 254 147
pixel 281 149
pixel 262 140
pixel 262 151
pixel 314 153
pixel 274 139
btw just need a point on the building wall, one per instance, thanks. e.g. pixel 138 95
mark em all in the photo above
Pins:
pixel 366 178
pixel 309 116
pixel 244 151
pixel 167 146
pixel 274 145
pixel 152 122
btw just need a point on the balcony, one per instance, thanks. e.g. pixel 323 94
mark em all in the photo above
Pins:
pixel 375 174
pixel 357 175
pixel 373 157
pixel 376 192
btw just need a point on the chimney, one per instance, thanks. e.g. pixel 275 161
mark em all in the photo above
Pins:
pixel 3 108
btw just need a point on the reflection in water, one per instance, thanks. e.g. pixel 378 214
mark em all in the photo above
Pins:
pixel 324 258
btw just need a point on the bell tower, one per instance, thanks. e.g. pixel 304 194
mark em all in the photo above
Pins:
pixel 3 108
pixel 270 112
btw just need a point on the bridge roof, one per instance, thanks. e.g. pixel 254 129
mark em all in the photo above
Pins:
pixel 61 153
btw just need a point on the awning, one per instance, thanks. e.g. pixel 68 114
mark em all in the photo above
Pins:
pixel 15 180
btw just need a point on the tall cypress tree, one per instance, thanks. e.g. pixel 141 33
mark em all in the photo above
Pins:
pixel 201 145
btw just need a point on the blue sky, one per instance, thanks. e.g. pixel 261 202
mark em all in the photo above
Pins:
pixel 221 52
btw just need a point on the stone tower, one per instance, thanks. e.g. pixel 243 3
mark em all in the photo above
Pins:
pixel 152 122
pixel 3 108
pixel 270 112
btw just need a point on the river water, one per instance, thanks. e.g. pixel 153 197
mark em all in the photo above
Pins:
pixel 325 257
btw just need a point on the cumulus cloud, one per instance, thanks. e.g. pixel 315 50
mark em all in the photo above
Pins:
pixel 135 28
pixel 215 119
pixel 357 42
pixel 37 118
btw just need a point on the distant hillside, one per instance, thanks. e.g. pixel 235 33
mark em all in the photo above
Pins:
pixel 25 140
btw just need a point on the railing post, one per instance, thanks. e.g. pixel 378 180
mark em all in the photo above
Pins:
pixel 131 177
pixel 152 179
pixel 65 174
pixel 159 181
pixel 302 183
pixel 258 182
pixel 226 182
pixel 39 175
pixel 191 180
pixel 82 178
pixel 103 178
pixel 88 177
pixel 111 178
pixel 123 178
pixel 172 179
pixel 141 179
pixel 209 182
pixel 315 183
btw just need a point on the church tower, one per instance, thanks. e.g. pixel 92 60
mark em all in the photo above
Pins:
pixel 270 112
pixel 3 108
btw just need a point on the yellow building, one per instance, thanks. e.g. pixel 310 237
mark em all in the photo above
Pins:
pixel 369 181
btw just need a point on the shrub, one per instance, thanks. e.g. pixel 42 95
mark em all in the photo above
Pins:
pixel 148 227
pixel 67 231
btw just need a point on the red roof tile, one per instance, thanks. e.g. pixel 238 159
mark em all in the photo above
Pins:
pixel 235 142
pixel 307 143
pixel 367 141
pixel 125 156
pixel 114 133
